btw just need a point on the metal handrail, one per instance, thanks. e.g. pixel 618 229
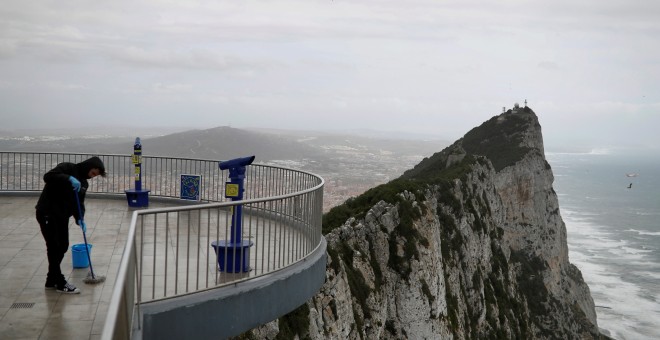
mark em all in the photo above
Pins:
pixel 282 219
pixel 22 171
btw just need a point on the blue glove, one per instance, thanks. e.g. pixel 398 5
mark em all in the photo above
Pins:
pixel 82 225
pixel 74 183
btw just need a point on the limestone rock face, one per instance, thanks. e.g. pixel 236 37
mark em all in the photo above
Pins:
pixel 474 248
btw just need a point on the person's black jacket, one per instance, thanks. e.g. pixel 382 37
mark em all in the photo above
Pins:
pixel 57 198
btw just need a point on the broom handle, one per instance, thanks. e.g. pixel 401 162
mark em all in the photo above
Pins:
pixel 89 258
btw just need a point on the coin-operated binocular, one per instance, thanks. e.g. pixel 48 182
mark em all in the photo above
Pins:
pixel 233 254
pixel 236 163
pixel 137 197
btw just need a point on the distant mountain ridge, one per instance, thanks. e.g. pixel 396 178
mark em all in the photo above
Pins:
pixel 226 142
pixel 215 143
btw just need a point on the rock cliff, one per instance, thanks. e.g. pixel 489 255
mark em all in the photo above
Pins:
pixel 469 244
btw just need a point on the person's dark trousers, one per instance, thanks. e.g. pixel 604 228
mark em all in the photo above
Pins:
pixel 56 233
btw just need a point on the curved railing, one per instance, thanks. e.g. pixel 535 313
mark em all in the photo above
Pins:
pixel 22 171
pixel 175 251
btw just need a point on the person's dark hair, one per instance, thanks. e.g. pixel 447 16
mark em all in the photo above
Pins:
pixel 92 163
pixel 100 166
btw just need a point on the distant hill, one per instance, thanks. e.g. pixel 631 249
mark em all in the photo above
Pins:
pixel 368 141
pixel 226 143
pixel 215 143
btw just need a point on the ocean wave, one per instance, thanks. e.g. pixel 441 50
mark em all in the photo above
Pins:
pixel 600 151
pixel 635 251
pixel 642 213
pixel 576 214
pixel 643 232
pixel 596 151
pixel 613 238
pixel 652 275
pixel 633 310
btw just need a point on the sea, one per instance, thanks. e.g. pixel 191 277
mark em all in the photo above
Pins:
pixel 610 203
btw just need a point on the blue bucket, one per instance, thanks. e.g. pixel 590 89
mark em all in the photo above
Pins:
pixel 80 259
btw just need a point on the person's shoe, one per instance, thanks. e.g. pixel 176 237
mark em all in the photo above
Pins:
pixel 67 288
pixel 50 285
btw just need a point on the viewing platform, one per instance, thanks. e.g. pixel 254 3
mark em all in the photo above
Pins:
pixel 163 275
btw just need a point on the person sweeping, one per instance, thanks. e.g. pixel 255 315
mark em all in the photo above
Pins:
pixel 56 205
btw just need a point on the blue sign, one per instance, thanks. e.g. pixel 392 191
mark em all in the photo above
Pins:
pixel 190 187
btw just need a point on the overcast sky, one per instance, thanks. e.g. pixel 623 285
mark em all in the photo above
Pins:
pixel 589 69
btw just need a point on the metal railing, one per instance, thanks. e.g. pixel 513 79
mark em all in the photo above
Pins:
pixel 22 171
pixel 176 250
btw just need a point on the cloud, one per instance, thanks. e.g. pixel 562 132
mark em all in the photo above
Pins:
pixel 7 49
pixel 62 86
pixel 548 65
pixel 173 88
pixel 424 64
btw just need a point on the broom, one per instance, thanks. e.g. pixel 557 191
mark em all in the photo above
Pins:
pixel 91 278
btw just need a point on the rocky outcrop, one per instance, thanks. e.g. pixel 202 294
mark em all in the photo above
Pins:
pixel 469 244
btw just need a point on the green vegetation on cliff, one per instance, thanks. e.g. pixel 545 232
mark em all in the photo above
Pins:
pixel 358 207
pixel 500 138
